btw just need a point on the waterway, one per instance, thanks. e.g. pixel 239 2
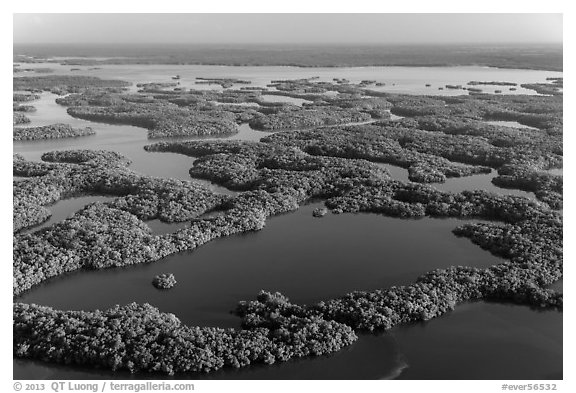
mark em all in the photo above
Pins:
pixel 308 259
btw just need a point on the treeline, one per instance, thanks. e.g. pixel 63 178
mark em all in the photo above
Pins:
pixel 53 131
pixel 442 139
pixel 161 120
pixel 63 84
pixel 140 338
pixel 279 178
pixel 20 118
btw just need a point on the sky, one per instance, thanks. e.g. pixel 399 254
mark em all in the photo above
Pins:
pixel 285 28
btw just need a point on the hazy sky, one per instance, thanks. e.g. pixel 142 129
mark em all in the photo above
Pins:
pixel 288 28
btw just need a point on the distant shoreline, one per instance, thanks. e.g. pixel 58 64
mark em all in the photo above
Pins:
pixel 312 66
pixel 538 57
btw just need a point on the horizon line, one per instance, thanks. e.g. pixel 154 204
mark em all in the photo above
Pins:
pixel 298 43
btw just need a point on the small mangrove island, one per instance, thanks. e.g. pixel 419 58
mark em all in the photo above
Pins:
pixel 334 148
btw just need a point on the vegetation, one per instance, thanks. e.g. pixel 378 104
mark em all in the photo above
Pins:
pixel 223 82
pixel 546 88
pixel 63 84
pixel 546 186
pixel 542 57
pixel 20 118
pixel 141 338
pixel 161 120
pixel 164 281
pixel 439 137
pixel 493 83
pixel 319 212
pixel 307 118
pixel 50 132
pixel 18 97
pixel 23 108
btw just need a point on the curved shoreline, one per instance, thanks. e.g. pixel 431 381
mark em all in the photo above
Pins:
pixel 276 179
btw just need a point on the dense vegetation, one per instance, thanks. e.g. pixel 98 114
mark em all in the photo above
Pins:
pixel 319 212
pixel 439 137
pixel 223 82
pixel 164 281
pixel 50 132
pixel 307 118
pixel 542 57
pixel 492 83
pixel 23 108
pixel 18 97
pixel 161 120
pixel 20 118
pixel 63 84
pixel 141 338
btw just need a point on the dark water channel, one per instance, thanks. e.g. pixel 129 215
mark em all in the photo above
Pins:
pixel 308 259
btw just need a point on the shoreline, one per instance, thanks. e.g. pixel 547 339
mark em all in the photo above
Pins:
pixel 272 64
pixel 545 57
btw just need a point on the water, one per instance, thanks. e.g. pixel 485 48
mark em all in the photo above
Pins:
pixel 484 341
pixel 161 228
pixel 286 99
pixel 250 104
pixel 397 172
pixel 247 133
pixel 65 208
pixel 558 286
pixel 214 277
pixel 126 140
pixel 513 124
pixel 319 260
pixel 405 80
pixel 475 341
pixel 556 171
pixel 482 181
pixel 292 262
pixel 382 361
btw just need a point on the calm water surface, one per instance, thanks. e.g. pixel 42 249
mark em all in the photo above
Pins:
pixel 65 208
pixel 513 124
pixel 288 100
pixel 475 341
pixel 405 80
pixel 324 258
pixel 319 261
